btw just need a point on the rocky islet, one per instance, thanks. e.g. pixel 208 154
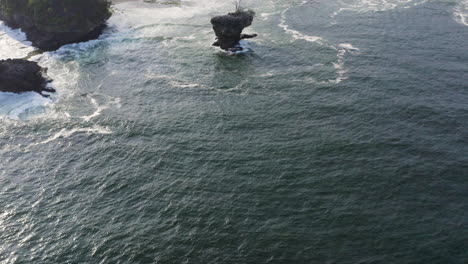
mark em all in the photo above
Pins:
pixel 228 29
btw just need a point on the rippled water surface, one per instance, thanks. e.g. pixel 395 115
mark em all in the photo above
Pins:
pixel 340 137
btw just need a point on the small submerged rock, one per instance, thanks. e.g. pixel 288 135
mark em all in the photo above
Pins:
pixel 19 76
pixel 228 29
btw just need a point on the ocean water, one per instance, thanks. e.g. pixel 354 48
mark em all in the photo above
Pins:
pixel 341 136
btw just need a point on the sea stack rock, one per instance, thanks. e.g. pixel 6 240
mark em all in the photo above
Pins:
pixel 228 29
pixel 19 76
pixel 50 24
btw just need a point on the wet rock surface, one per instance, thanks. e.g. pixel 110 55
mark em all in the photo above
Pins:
pixel 228 29
pixel 50 24
pixel 19 76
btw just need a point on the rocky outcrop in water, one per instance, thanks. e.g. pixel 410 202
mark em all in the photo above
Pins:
pixel 228 29
pixel 50 24
pixel 19 76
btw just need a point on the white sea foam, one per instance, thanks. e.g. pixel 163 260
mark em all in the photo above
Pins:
pixel 19 106
pixel 379 5
pixel 65 74
pixel 266 16
pixel 294 33
pixel 23 106
pixel 245 49
pixel 184 85
pixel 13 43
pixel 66 133
pixel 169 25
pixel 348 47
pixel 154 13
pixel 362 6
pixel 78 47
pixel 461 13
pixel 341 49
pixel 99 108
pixel 339 67
pixel 97 112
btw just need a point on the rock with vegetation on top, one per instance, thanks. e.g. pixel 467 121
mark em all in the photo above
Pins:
pixel 19 76
pixel 50 24
pixel 228 29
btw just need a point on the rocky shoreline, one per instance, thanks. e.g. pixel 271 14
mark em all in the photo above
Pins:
pixel 18 76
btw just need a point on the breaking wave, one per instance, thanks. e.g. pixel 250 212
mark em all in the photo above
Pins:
pixel 13 43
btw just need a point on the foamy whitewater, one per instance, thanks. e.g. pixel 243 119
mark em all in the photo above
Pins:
pixel 13 43
pixel 461 12
pixel 338 135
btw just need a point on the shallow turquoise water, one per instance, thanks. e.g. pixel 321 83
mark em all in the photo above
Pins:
pixel 340 138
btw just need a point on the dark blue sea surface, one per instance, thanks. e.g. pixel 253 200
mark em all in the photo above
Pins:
pixel 341 136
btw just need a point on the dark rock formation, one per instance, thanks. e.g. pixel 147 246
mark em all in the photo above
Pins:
pixel 18 76
pixel 228 29
pixel 50 24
